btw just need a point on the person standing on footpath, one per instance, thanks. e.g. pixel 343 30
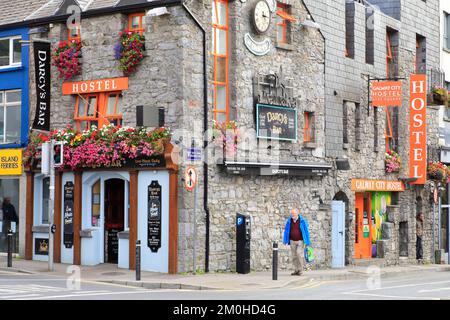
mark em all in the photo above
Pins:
pixel 296 235
pixel 419 234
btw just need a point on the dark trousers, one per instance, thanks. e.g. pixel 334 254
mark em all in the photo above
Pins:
pixel 419 249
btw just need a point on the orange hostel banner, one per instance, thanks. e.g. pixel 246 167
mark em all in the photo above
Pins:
pixel 92 86
pixel 377 185
pixel 386 93
pixel 418 128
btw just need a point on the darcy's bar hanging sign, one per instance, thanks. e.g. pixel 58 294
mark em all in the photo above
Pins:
pixel 274 122
pixel 154 216
pixel 42 61
pixel 418 128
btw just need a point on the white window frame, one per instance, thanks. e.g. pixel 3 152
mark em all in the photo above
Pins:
pixel 11 53
pixel 446 31
pixel 5 105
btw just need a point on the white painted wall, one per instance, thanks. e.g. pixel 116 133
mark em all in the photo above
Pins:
pixel 445 55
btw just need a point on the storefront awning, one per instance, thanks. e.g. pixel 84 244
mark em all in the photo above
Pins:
pixel 298 169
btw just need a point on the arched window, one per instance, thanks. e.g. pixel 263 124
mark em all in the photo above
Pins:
pixel 95 204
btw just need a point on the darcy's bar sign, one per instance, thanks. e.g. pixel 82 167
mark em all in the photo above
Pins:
pixel 42 60
pixel 274 122
pixel 154 216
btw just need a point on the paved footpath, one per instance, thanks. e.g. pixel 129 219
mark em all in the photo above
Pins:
pixel 109 273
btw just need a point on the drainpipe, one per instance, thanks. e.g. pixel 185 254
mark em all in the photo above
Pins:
pixel 205 141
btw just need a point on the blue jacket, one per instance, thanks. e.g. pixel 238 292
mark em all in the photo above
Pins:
pixel 303 228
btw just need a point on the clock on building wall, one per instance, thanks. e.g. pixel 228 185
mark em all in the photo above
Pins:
pixel 261 16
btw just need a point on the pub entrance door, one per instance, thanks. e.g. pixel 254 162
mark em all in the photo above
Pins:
pixel 363 226
pixel 114 217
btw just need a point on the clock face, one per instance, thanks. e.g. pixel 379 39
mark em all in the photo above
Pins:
pixel 261 16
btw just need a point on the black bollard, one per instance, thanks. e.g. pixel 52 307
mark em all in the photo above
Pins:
pixel 138 260
pixel 10 236
pixel 275 261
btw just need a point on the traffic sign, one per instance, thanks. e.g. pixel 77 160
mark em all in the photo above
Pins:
pixel 190 178
pixel 194 154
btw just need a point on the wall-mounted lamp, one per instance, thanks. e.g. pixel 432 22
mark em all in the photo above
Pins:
pixel 157 12
pixel 309 23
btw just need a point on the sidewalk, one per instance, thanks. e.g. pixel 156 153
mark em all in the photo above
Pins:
pixel 212 281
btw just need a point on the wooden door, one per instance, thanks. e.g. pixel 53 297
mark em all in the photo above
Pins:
pixel 363 223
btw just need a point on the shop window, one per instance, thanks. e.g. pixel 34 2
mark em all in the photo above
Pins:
pixel 45 200
pixel 221 59
pixel 9 195
pixel 284 23
pixel 10 105
pixel 10 52
pixel 95 204
pixel 98 110
pixel 350 30
pixel 135 22
pixel 74 34
pixel 308 130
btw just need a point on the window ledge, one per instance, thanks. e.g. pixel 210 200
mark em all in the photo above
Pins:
pixel 124 234
pixel 310 145
pixel 86 233
pixel 446 49
pixel 346 146
pixel 285 46
pixel 11 68
pixel 10 146
pixel 40 229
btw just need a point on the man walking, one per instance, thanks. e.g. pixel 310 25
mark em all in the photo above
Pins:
pixel 296 234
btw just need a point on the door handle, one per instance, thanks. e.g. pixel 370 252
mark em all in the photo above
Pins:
pixel 340 232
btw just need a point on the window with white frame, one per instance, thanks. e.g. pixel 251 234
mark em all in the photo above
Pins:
pixel 10 103
pixel 10 52
pixel 446 31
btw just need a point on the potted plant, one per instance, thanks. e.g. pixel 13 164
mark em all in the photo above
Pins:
pixel 66 58
pixel 392 161
pixel 129 51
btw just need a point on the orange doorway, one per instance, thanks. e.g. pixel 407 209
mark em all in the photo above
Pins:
pixel 363 226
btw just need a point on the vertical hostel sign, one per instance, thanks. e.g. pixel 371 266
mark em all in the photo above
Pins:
pixel 154 216
pixel 42 61
pixel 418 128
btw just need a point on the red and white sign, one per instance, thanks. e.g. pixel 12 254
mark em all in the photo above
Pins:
pixel 92 86
pixel 190 178
pixel 386 93
pixel 418 128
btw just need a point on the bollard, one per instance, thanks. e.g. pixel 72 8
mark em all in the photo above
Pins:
pixel 138 260
pixel 10 235
pixel 275 261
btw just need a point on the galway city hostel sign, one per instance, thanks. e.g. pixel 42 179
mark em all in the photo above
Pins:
pixel 377 185
pixel 386 93
pixel 418 128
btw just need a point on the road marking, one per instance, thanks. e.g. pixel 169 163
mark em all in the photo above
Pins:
pixel 403 286
pixel 97 294
pixel 434 290
pixel 20 297
pixel 390 296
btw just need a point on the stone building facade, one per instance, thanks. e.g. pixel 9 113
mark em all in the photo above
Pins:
pixel 324 83
pixel 361 27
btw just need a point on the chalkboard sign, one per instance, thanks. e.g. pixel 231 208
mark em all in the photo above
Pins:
pixel 154 216
pixel 274 122
pixel 68 214
pixel 113 246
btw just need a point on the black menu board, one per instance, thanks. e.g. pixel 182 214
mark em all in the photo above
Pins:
pixel 154 216
pixel 68 214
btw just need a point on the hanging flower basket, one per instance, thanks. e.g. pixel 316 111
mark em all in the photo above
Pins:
pixel 392 161
pixel 129 51
pixel 226 135
pixel 440 95
pixel 103 147
pixel 438 172
pixel 66 58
